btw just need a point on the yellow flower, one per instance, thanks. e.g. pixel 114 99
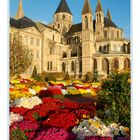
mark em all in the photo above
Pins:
pixel 77 122
pixel 84 116
pixel 126 129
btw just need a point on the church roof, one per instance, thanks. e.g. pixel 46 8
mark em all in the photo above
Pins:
pixel 22 23
pixel 63 7
pixel 86 8
pixel 99 7
pixel 78 27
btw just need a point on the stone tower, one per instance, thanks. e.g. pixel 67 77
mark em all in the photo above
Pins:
pixel 88 48
pixel 99 20
pixel 20 12
pixel 63 18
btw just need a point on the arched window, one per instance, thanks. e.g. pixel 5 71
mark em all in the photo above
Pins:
pixel 53 37
pixel 51 65
pixel 105 65
pixel 48 66
pixel 72 66
pixel 86 22
pixel 100 49
pixel 126 63
pixel 58 25
pixel 64 55
pixel 94 65
pixel 99 18
pixel 80 66
pixel 63 16
pixel 63 67
pixel 115 64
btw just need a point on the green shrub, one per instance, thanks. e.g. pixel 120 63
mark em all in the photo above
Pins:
pixel 113 103
pixel 88 77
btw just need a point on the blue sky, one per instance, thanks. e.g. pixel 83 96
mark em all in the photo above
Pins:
pixel 43 10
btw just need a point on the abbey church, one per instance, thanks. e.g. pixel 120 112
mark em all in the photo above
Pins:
pixel 96 43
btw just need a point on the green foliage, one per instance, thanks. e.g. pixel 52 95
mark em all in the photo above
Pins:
pixel 52 76
pixel 17 134
pixel 113 103
pixel 67 77
pixel 34 74
pixel 95 76
pixel 20 56
pixel 88 77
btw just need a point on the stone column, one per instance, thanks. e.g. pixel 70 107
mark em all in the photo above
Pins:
pixel 99 65
pixel 121 63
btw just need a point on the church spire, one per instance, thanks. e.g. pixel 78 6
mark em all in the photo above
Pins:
pixel 20 12
pixel 99 7
pixel 63 7
pixel 108 15
pixel 86 8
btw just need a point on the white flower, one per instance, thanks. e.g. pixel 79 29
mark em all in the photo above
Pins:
pixel 27 102
pixel 15 118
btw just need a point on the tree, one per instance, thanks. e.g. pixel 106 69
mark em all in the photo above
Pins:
pixel 113 103
pixel 20 55
pixel 95 76
pixel 34 74
pixel 88 77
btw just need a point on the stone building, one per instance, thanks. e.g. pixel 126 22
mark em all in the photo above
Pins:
pixel 96 43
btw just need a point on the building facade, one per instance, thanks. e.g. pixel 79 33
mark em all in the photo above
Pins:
pixel 96 43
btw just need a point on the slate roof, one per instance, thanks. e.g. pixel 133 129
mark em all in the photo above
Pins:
pixel 99 6
pixel 78 27
pixel 63 7
pixel 49 27
pixel 86 8
pixel 22 23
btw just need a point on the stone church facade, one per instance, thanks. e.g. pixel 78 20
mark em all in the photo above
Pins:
pixel 96 43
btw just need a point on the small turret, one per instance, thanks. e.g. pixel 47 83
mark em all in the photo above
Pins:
pixel 108 15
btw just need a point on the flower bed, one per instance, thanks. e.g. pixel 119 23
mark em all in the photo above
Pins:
pixel 36 115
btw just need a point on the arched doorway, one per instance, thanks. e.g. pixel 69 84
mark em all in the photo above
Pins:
pixel 126 63
pixel 105 65
pixel 115 64
pixel 63 67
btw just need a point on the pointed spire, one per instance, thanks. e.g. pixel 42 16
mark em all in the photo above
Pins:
pixel 99 7
pixel 63 7
pixel 20 12
pixel 86 8
pixel 108 15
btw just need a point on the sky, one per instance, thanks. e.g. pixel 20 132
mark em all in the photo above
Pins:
pixel 43 10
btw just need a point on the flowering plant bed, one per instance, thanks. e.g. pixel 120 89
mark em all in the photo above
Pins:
pixel 51 112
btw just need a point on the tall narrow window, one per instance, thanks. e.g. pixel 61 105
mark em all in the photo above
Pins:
pixel 51 65
pixel 48 66
pixel 53 37
pixel 72 66
pixel 86 22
